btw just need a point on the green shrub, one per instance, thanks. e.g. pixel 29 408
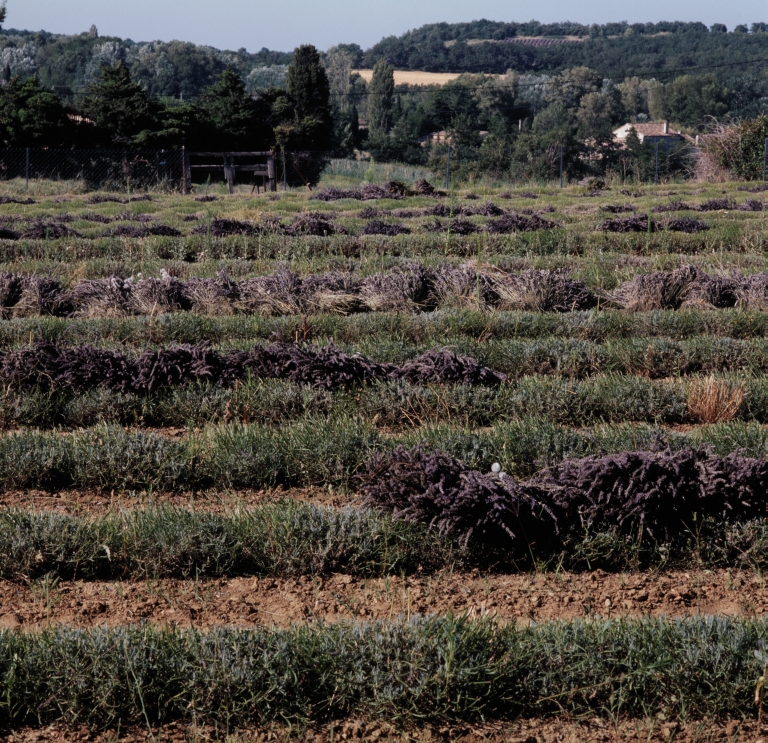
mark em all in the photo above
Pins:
pixel 423 669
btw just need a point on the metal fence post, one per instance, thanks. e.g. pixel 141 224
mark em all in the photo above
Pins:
pixel 656 178
pixel 561 166
pixel 27 168
pixel 765 156
pixel 271 173
pixel 285 173
pixel 186 176
pixel 448 170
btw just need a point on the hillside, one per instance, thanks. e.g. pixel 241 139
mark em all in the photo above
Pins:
pixel 614 50
pixel 178 68
pixel 174 68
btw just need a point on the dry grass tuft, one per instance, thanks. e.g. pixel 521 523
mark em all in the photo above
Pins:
pixel 713 400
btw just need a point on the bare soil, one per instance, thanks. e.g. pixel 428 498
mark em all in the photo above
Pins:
pixel 553 730
pixel 250 602
pixel 98 502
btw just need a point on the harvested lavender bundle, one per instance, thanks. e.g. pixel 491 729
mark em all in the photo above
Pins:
pixel 158 296
pixel 438 210
pixel 276 294
pixel 40 230
pixel 487 209
pixel 444 366
pixel 751 205
pixel 224 228
pixel 673 206
pixel 212 296
pixel 93 217
pixel 714 205
pixel 657 491
pixel 124 230
pixel 47 365
pixel 541 291
pixel 510 223
pixel 326 368
pixel 423 187
pixel 335 292
pixel 686 224
pixel 628 224
pixel 314 223
pixel 405 288
pixel 462 286
pixel 435 489
pixel 617 208
pixel 377 227
pixel 660 290
pixel 178 365
pixel 97 298
pixel 462 227
pixel 39 296
pixel 752 292
pixel 10 290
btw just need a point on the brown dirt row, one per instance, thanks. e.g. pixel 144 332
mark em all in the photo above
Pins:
pixel 249 602
pixel 97 502
pixel 554 730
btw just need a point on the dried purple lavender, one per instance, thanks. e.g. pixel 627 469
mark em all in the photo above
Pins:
pixel 441 492
pixel 446 367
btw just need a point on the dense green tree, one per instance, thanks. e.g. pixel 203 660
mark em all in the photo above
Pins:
pixel 739 148
pixel 689 100
pixel 30 116
pixel 119 107
pixel 230 119
pixel 571 85
pixel 346 126
pixel 597 115
pixel 634 97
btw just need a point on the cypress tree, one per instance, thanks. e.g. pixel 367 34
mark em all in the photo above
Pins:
pixel 380 102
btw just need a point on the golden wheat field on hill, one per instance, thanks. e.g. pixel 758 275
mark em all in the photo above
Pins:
pixel 414 77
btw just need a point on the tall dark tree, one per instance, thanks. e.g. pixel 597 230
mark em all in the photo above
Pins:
pixel 303 117
pixel 307 84
pixel 381 102
pixel 119 107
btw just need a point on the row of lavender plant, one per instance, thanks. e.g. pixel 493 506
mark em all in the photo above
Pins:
pixel 405 288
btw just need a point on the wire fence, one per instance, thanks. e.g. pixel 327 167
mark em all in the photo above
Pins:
pixel 117 170
pixel 169 170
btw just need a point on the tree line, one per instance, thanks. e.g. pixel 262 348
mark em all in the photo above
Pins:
pixel 511 125
pixel 508 126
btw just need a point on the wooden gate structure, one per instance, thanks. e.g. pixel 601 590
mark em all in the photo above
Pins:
pixel 260 164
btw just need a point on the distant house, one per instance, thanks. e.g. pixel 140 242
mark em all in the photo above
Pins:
pixel 77 119
pixel 443 137
pixel 652 132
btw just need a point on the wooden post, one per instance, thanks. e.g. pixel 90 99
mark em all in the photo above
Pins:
pixel 186 185
pixel 271 173
pixel 229 173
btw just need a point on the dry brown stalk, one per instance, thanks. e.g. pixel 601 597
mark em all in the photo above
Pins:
pixel 713 400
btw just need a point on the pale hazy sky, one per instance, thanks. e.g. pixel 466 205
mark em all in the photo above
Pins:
pixel 283 24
